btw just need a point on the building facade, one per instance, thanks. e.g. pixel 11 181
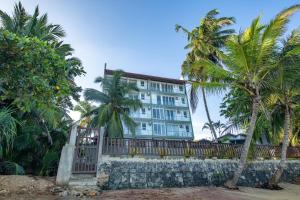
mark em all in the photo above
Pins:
pixel 165 112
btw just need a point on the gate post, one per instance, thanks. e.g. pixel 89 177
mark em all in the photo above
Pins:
pixel 66 159
pixel 100 147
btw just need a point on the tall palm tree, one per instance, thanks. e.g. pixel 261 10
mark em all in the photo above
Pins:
pixel 248 61
pixel 285 93
pixel 113 111
pixel 35 25
pixel 205 41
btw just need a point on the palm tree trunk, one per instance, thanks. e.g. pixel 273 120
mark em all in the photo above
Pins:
pixel 212 129
pixel 242 163
pixel 282 164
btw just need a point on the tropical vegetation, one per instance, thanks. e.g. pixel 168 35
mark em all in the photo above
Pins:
pixel 113 112
pixel 205 42
pixel 253 59
pixel 37 87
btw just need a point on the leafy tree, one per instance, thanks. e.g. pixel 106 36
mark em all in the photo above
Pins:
pixel 115 104
pixel 249 59
pixel 204 42
pixel 37 73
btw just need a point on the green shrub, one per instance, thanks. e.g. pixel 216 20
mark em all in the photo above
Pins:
pixel 11 168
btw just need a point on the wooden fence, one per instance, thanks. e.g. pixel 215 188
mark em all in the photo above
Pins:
pixel 162 148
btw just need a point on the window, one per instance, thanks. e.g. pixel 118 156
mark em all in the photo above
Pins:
pixel 182 100
pixel 159 129
pixel 133 96
pixel 143 126
pixel 143 96
pixel 142 83
pixel 134 82
pixel 172 130
pixel 167 88
pixel 158 113
pixel 181 88
pixel 187 128
pixel 143 111
pixel 168 101
pixel 169 114
pixel 185 114
pixel 154 86
pixel 158 98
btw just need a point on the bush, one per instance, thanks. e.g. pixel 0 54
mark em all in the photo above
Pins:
pixel 11 168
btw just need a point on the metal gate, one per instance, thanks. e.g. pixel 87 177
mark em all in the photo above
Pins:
pixel 86 151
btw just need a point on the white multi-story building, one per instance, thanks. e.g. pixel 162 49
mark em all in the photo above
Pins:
pixel 165 112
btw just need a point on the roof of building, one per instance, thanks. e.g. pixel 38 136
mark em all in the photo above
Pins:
pixel 146 77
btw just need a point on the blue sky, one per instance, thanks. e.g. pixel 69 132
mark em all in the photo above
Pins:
pixel 139 35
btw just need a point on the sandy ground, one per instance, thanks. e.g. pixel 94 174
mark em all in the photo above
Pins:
pixel 27 188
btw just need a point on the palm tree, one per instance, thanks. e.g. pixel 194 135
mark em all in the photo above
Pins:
pixel 24 24
pixel 113 111
pixel 84 107
pixel 248 61
pixel 285 93
pixel 219 126
pixel 205 41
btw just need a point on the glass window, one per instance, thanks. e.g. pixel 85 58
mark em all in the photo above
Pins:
pixel 167 88
pixel 185 114
pixel 143 96
pixel 142 83
pixel 158 98
pixel 154 86
pixel 168 100
pixel 157 113
pixel 182 100
pixel 143 111
pixel 134 82
pixel 181 88
pixel 169 114
pixel 172 130
pixel 143 126
pixel 159 129
pixel 187 128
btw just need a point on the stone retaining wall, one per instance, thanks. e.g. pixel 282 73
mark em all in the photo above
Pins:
pixel 118 173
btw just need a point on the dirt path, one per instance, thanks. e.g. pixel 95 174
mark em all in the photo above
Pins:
pixel 28 188
pixel 291 192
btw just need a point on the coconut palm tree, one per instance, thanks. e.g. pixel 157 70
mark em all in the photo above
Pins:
pixel 249 59
pixel 113 111
pixel 205 41
pixel 219 126
pixel 84 107
pixel 35 25
pixel 285 93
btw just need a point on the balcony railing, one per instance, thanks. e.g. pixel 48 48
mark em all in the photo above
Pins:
pixel 167 118
pixel 163 132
